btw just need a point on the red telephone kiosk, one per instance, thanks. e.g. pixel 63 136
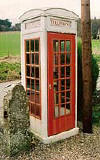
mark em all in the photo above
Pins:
pixel 49 71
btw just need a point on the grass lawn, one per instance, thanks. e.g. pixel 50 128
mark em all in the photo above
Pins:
pixel 9 44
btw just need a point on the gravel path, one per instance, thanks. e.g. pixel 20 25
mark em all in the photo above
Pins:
pixel 80 147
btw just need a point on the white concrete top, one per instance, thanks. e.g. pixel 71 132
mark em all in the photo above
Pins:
pixel 54 12
pixel 49 19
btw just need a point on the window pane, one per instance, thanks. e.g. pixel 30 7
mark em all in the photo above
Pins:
pixel 27 59
pixel 28 83
pixel 36 45
pixel 33 84
pixel 37 110
pixel 68 96
pixel 63 97
pixel 27 46
pixel 62 59
pixel 63 84
pixel 32 58
pixel 68 46
pixel 55 74
pixel 37 85
pixel 62 46
pixel 55 59
pixel 32 45
pixel 62 72
pixel 33 108
pixel 28 93
pixel 32 72
pixel 36 72
pixel 68 108
pixel 62 109
pixel 68 58
pixel 68 84
pixel 28 71
pixel 32 96
pixel 56 85
pixel 36 58
pixel 56 111
pixel 37 98
pixel 68 71
pixel 55 46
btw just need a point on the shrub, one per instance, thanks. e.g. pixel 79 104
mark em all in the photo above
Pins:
pixel 95 73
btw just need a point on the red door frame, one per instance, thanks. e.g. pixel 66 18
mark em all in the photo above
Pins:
pixel 66 122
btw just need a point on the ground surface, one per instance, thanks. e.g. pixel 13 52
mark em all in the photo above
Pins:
pixel 80 147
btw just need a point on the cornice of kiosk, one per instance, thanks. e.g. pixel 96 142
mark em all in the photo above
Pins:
pixel 53 12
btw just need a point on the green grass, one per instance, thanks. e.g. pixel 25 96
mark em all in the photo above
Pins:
pixel 96 45
pixel 9 44
pixel 9 71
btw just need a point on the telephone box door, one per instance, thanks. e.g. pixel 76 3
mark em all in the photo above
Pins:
pixel 61 82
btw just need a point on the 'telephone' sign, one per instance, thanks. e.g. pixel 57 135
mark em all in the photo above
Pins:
pixel 59 22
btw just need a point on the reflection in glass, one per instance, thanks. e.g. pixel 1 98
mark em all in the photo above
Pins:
pixel 55 73
pixel 37 45
pixel 33 83
pixel 68 58
pixel 27 46
pixel 63 84
pixel 28 93
pixel 37 58
pixel 32 96
pixel 37 85
pixel 27 59
pixel 56 88
pixel 37 98
pixel 55 46
pixel 37 110
pixel 62 45
pixel 63 97
pixel 32 72
pixel 56 98
pixel 67 96
pixel 28 71
pixel 32 45
pixel 68 71
pixel 32 58
pixel 68 84
pixel 68 108
pixel 56 111
pixel 28 83
pixel 62 109
pixel 55 59
pixel 68 46
pixel 62 72
pixel 33 108
pixel 62 58
pixel 37 72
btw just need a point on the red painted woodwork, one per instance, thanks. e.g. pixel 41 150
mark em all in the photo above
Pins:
pixel 61 70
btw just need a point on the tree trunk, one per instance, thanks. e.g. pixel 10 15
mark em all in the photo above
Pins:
pixel 86 66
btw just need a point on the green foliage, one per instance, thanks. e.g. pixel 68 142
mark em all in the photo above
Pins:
pixel 9 71
pixel 5 25
pixel 95 73
pixel 9 43
pixel 95 24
